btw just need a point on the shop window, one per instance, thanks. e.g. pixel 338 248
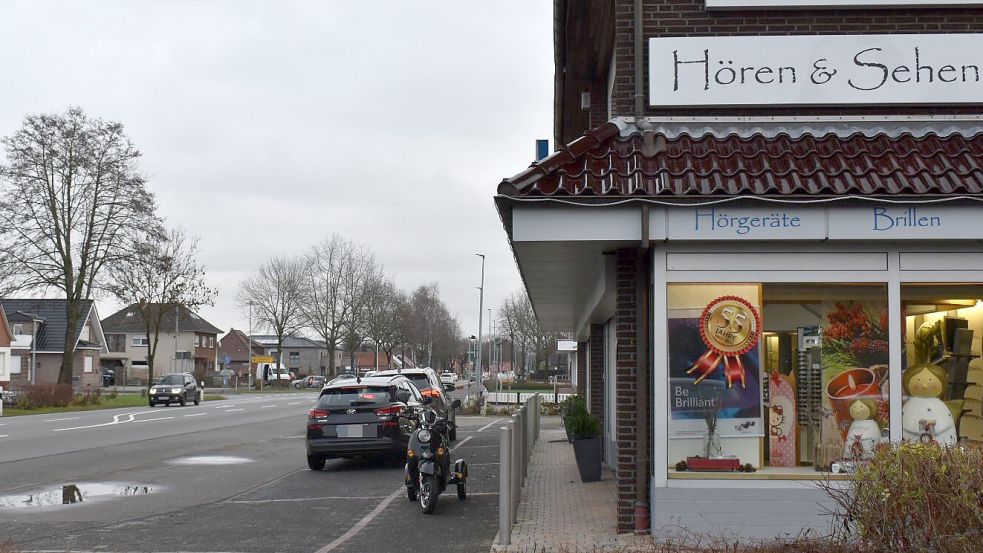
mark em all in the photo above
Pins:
pixel 943 373
pixel 777 376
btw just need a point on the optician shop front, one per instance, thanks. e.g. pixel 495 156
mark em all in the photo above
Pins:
pixel 759 304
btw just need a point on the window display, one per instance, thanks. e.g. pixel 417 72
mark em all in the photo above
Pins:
pixel 812 358
pixel 943 376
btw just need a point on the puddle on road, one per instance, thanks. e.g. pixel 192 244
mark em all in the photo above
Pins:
pixel 53 496
pixel 210 460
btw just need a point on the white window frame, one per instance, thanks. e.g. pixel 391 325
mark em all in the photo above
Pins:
pixel 15 364
pixel 892 276
pixel 141 341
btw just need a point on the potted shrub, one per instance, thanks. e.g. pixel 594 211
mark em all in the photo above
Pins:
pixel 572 406
pixel 586 433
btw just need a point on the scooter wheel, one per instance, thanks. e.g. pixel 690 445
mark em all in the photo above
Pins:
pixel 411 493
pixel 428 494
pixel 462 491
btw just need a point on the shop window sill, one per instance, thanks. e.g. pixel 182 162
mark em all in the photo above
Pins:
pixel 767 473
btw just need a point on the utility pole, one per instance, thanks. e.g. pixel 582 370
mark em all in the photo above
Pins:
pixel 481 312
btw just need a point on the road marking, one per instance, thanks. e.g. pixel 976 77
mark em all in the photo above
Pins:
pixel 116 420
pixel 292 437
pixel 157 419
pixel 231 410
pixel 196 415
pixel 492 423
pixel 295 403
pixel 364 522
pixel 4 435
pixel 461 443
pixel 266 406
pixel 64 419
pixel 250 501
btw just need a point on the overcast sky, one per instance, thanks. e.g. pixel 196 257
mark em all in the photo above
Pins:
pixel 268 126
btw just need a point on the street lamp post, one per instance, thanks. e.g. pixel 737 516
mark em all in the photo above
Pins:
pixel 481 310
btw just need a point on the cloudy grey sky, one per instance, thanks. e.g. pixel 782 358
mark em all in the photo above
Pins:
pixel 267 126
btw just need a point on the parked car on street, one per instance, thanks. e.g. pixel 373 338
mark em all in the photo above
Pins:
pixel 342 376
pixel 370 416
pixel 175 388
pixel 448 378
pixel 313 381
pixel 429 384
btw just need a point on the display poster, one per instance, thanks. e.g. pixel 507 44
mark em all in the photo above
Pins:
pixel 714 361
pixel 855 378
pixel 782 443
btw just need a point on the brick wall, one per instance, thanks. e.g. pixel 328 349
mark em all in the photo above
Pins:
pixel 626 412
pixel 582 368
pixel 690 18
pixel 596 373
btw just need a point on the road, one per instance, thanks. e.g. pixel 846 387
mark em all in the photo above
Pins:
pixel 226 476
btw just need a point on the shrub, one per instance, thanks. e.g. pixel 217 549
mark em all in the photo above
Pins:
pixel 914 497
pixel 35 396
pixel 582 425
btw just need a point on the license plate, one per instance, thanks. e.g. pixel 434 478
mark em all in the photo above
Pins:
pixel 356 431
pixel 163 397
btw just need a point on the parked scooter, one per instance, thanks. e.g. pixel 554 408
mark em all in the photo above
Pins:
pixel 428 464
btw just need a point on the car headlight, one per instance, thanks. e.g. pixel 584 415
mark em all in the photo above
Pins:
pixel 175 390
pixel 424 436
pixel 153 390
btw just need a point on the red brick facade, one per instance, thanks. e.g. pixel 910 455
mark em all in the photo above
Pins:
pixel 690 18
pixel 596 373
pixel 627 419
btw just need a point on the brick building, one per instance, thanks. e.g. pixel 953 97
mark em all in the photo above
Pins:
pixel 754 208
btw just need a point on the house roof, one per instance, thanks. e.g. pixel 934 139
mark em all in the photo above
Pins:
pixel 240 336
pixel 53 313
pixel 270 340
pixel 620 159
pixel 130 319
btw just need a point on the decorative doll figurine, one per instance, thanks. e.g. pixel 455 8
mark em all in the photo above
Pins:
pixel 864 432
pixel 925 417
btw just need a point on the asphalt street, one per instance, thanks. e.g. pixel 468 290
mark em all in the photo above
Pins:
pixel 225 476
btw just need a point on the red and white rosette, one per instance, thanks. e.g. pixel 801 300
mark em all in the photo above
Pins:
pixel 730 327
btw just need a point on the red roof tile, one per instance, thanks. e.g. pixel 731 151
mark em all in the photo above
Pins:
pixel 609 162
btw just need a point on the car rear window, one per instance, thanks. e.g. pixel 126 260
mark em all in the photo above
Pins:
pixel 420 380
pixel 354 396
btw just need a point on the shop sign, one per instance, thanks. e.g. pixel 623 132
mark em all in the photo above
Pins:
pixel 732 4
pixel 905 222
pixel 816 70
pixel 746 223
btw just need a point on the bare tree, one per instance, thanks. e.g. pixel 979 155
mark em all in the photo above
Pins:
pixel 276 292
pixel 361 271
pixel 161 276
pixel 324 308
pixel 384 316
pixel 72 203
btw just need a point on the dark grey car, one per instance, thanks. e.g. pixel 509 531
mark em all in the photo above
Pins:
pixel 175 388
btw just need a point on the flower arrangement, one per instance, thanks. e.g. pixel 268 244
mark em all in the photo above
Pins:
pixel 855 336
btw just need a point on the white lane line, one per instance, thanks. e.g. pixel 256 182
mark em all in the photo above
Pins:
pixel 487 426
pixel 196 415
pixel 225 406
pixel 461 443
pixel 64 419
pixel 295 403
pixel 116 420
pixel 156 419
pixel 266 406
pixel 306 499
pixel 292 437
pixel 232 410
pixel 4 435
pixel 364 522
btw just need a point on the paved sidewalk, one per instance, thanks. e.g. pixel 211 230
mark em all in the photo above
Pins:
pixel 558 512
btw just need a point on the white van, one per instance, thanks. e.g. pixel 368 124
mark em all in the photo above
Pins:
pixel 271 371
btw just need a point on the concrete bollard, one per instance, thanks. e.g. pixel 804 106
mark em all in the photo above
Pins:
pixel 505 486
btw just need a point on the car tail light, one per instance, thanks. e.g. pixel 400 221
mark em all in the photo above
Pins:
pixel 388 413
pixel 316 414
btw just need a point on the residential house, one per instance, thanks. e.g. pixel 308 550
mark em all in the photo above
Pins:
pixel 300 355
pixel 235 350
pixel 187 343
pixel 6 337
pixel 38 327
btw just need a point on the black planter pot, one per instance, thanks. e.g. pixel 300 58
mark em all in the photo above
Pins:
pixel 588 454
